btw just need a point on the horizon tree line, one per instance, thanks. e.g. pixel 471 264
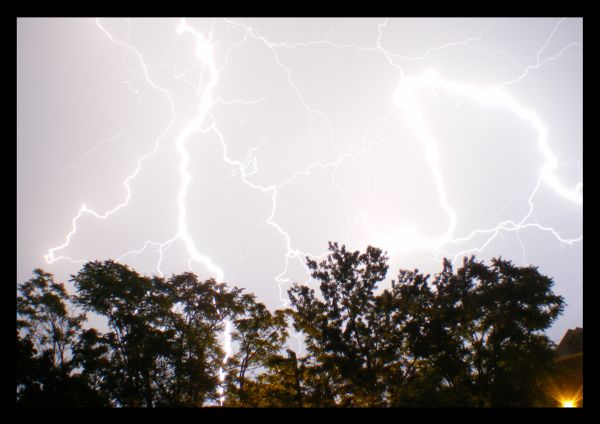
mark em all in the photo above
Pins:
pixel 471 336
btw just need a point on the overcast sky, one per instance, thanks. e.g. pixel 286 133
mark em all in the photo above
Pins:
pixel 235 147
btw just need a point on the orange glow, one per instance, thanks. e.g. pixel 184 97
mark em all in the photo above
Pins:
pixel 565 397
pixel 571 400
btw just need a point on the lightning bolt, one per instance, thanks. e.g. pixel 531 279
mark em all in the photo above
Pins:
pixel 405 100
pixel 494 96
pixel 50 256
pixel 133 90
pixel 204 52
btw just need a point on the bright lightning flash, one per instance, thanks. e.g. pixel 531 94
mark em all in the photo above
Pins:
pixel 406 100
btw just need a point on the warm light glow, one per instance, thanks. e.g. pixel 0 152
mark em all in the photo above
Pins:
pixel 571 400
pixel 565 397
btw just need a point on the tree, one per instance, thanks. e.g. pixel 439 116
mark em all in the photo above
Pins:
pixel 342 330
pixel 282 382
pixel 199 312
pixel 510 308
pixel 260 336
pixel 91 354
pixel 473 337
pixel 138 343
pixel 46 333
pixel 162 348
pixel 477 333
pixel 44 319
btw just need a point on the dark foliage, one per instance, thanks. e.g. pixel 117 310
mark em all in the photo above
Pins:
pixel 466 337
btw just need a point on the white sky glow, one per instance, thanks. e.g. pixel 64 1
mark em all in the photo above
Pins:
pixel 236 147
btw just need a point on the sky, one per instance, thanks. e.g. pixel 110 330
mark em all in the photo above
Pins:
pixel 235 148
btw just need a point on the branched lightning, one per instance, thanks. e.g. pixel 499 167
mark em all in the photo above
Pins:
pixel 138 106
pixel 204 52
pixel 494 96
pixel 539 63
pixel 402 238
pixel 50 257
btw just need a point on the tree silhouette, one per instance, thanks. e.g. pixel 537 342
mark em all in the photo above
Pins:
pixel 466 337
pixel 343 330
pixel 137 311
pixel 46 333
pixel 471 337
pixel 199 310
pixel 259 336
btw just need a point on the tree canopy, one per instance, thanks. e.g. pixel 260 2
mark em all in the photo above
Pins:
pixel 470 336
